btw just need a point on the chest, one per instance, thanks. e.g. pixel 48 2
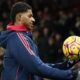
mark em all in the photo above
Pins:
pixel 32 44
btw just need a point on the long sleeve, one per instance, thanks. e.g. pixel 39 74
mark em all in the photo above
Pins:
pixel 61 65
pixel 21 50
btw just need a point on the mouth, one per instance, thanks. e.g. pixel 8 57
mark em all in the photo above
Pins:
pixel 32 26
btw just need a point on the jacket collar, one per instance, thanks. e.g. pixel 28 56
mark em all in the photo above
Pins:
pixel 12 27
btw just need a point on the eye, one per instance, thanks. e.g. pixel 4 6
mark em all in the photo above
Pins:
pixel 30 16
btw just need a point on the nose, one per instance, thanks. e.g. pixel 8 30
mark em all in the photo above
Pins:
pixel 33 20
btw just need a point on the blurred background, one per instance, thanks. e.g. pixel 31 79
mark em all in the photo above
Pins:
pixel 55 21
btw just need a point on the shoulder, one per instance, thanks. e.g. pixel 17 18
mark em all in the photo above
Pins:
pixel 18 36
pixel 13 35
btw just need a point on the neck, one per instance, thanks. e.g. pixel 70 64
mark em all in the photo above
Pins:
pixel 17 23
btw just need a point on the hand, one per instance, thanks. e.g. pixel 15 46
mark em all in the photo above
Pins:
pixel 76 66
pixel 74 73
pixel 78 77
pixel 75 69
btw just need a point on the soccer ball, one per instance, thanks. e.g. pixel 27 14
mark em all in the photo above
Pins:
pixel 71 47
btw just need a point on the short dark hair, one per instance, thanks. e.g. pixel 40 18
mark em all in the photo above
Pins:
pixel 17 8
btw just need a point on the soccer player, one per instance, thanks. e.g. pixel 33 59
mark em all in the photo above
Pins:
pixel 21 60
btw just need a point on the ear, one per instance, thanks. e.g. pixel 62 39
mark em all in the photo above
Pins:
pixel 18 17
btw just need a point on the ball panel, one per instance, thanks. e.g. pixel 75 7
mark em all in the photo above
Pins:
pixel 73 48
pixel 77 40
pixel 65 50
pixel 72 57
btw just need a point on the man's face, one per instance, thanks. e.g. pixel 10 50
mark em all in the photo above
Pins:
pixel 27 19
